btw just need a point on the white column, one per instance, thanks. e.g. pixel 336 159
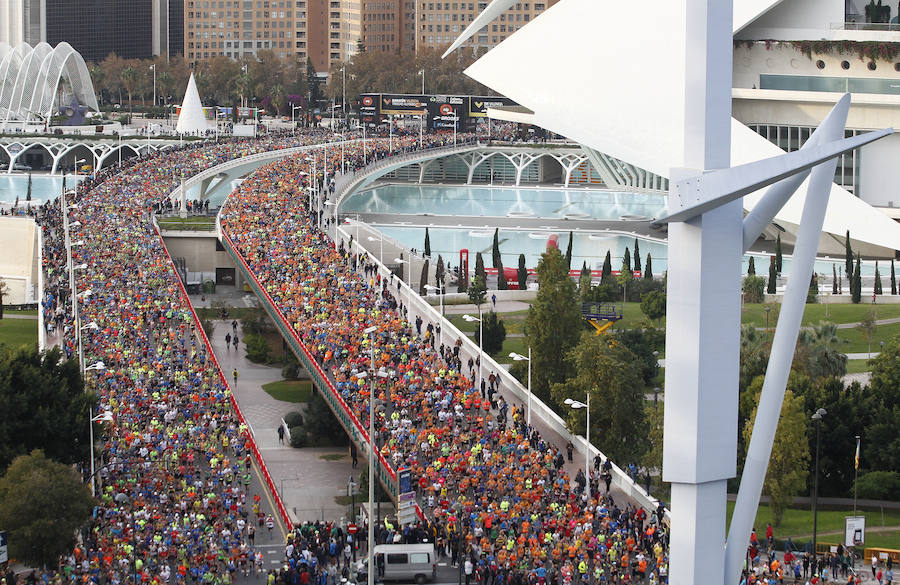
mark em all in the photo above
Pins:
pixel 703 314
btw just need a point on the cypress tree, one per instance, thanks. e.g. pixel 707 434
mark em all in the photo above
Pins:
pixel 569 252
pixel 877 285
pixel 427 244
pixel 495 249
pixel 626 259
pixel 637 256
pixel 423 278
pixel 606 272
pixel 479 268
pixel 751 267
pixel 522 274
pixel 893 280
pixel 463 284
pixel 834 280
pixel 848 261
pixel 439 273
pixel 648 268
pixel 778 264
pixel 770 288
pixel 501 276
pixel 856 283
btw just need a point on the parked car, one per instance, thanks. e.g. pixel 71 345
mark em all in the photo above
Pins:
pixel 21 167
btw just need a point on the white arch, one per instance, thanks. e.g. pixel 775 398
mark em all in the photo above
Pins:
pixel 64 62
pixel 9 73
pixel 25 82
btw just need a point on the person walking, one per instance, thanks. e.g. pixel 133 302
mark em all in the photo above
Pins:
pixel 281 434
pixel 234 375
pixel 228 341
pixel 235 341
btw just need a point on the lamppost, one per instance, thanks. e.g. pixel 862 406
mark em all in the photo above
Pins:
pixel 767 319
pixel 293 123
pixel 478 319
pixel 655 365
pixel 380 239
pixel 422 73
pixel 105 416
pixel 371 539
pixel 313 182
pixel 817 417
pixel 351 487
pixel 344 93
pixel 587 437
pixel 153 68
pixel 519 357
pixel 440 292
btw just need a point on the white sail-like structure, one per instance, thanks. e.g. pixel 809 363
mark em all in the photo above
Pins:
pixel 191 119
pixel 36 81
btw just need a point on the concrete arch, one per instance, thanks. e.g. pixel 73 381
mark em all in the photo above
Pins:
pixel 29 147
pixel 110 157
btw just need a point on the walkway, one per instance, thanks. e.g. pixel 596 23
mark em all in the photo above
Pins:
pixel 307 483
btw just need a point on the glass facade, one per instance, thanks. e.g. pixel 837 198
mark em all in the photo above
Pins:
pixel 96 28
pixel 830 84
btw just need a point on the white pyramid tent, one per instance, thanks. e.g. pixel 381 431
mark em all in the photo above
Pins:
pixel 191 119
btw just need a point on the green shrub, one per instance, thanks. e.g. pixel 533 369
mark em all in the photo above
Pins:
pixel 879 485
pixel 754 289
pixel 293 419
pixel 291 371
pixel 298 437
pixel 257 348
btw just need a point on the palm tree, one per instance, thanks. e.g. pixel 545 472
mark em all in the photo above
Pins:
pixel 129 80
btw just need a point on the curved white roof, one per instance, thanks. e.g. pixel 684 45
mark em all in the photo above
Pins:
pixel 36 81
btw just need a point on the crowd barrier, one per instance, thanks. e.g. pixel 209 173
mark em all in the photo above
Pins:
pixel 270 485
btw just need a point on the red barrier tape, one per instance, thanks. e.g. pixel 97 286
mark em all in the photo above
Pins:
pixel 362 430
pixel 253 447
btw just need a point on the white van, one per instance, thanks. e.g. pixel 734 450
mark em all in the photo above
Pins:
pixel 401 562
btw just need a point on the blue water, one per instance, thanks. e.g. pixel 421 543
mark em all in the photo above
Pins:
pixel 43 187
pixel 505 201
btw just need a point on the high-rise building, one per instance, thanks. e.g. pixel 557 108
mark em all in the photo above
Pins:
pixel 388 25
pixel 22 21
pixel 439 23
pixel 325 31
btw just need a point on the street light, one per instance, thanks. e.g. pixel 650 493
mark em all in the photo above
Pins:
pixel 105 416
pixel 369 331
pixel 767 319
pixel 519 357
pixel 587 437
pixel 293 123
pixel 153 68
pixel 472 319
pixel 817 416
pixel 381 246
pixel 440 292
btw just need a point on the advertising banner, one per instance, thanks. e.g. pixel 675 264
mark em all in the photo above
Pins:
pixel 368 108
pixel 446 112
pixel 478 105
pixel 398 105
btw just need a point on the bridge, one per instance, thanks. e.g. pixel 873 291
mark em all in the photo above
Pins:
pixel 55 151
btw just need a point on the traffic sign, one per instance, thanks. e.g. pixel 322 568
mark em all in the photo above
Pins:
pixel 352 528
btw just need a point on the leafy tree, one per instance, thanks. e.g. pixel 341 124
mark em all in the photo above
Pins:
pixel 868 327
pixel 778 259
pixel 501 276
pixel 569 251
pixel 256 348
pixel 856 283
pixel 42 506
pixel 751 267
pixel 320 426
pixel 607 370
pixel 553 324
pixel 493 333
pixel 427 244
pixel 423 278
pixel 477 291
pixel 642 342
pixel 440 273
pixel 637 256
pixel 787 472
pixel 479 268
pixel 834 280
pixel 754 289
pixel 879 485
pixel 522 273
pixel 648 268
pixel 606 271
pixel 773 275
pixel 495 248
pixel 653 304
pixel 44 406
pixel 893 279
pixel 654 414
pixel 878 289
pixel 625 276
pixel 848 259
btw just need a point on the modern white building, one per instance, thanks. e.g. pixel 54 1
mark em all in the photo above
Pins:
pixel 792 61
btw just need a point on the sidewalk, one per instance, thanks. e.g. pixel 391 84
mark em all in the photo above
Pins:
pixel 308 483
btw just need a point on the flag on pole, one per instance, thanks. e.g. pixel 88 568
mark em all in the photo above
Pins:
pixel 856 457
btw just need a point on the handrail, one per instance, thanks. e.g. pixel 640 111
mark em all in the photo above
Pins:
pixel 42 331
pixel 336 402
pixel 237 409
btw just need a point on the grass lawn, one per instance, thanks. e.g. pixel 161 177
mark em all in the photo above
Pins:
pixel 890 539
pixel 855 343
pixel 289 390
pixel 196 223
pixel 332 456
pixel 755 314
pixel 28 312
pixel 798 522
pixel 17 332
pixel 858 366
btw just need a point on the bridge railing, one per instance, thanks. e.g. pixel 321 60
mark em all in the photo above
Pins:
pixel 357 431
pixel 346 180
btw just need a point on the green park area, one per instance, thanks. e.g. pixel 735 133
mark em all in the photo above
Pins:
pixel 17 332
pixel 289 390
